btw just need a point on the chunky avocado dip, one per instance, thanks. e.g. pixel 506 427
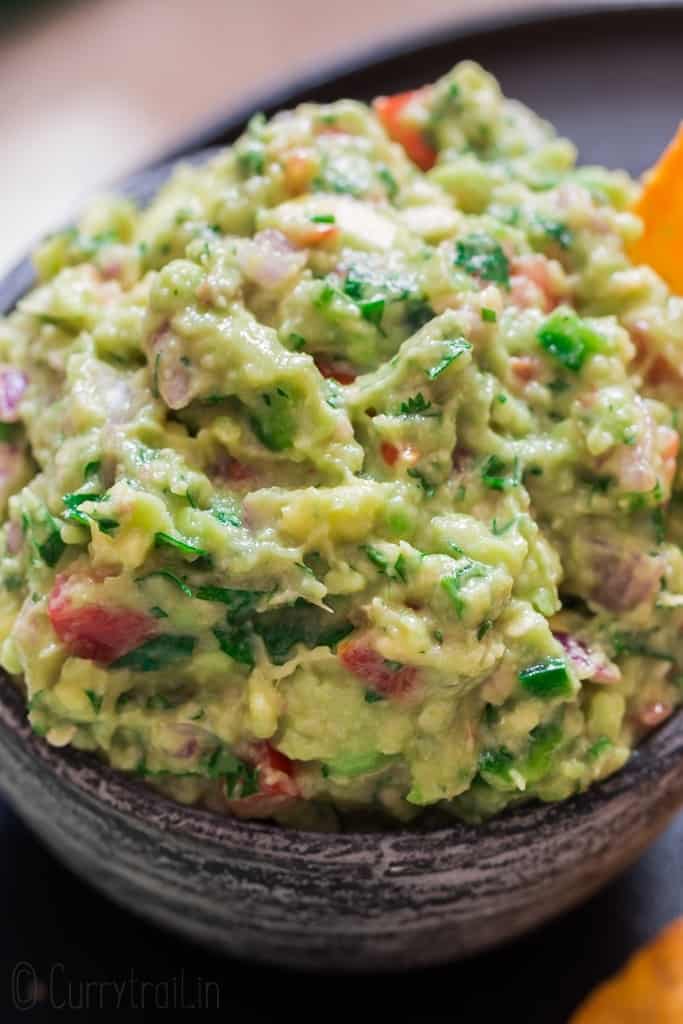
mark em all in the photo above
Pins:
pixel 341 480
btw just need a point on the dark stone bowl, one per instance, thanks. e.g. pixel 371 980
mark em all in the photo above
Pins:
pixel 357 901
pixel 363 901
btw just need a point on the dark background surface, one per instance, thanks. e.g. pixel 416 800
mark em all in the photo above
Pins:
pixel 613 83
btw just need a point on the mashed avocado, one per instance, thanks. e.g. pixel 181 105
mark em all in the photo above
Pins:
pixel 342 478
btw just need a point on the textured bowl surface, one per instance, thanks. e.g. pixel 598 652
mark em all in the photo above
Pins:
pixel 347 901
pixel 366 901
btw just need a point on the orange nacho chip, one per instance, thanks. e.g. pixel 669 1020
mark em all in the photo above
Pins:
pixel 648 990
pixel 661 207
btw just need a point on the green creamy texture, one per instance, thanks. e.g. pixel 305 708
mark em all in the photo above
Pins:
pixel 335 487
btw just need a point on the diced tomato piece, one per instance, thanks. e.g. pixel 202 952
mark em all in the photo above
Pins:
pixel 276 772
pixel 337 369
pixel 383 676
pixel 389 452
pixel 277 783
pixel 391 111
pixel 93 631
pixel 526 368
pixel 531 283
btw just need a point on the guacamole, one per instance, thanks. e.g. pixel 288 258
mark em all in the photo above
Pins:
pixel 340 482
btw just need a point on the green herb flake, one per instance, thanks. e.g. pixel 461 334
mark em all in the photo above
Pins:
pixel 546 679
pixel 454 349
pixel 569 339
pixel 497 475
pixel 489 316
pixel 95 700
pixel 162 539
pixel 496 762
pixel 597 749
pixel 373 311
pixel 370 697
pixel 481 256
pixel 543 742
pixel 53 547
pixel 401 567
pixel 297 342
pixel 236 643
pixel 376 557
pixel 168 575
pixel 453 584
pixel 416 405
pixel 240 603
pixel 323 218
pixel 226 516
pixel 157 653
pixel 557 232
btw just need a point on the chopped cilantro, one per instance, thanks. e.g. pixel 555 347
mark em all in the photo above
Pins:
pixel 600 747
pixel 453 584
pixel 297 341
pixel 401 567
pixel 416 405
pixel 226 516
pixel 496 474
pixel 454 349
pixel 499 529
pixel 373 311
pixel 489 316
pixel 557 231
pixel 95 700
pixel 371 697
pixel 481 256
pixel 323 218
pixel 162 539
pixel 53 547
pixel 167 574
pixel 544 740
pixel 157 653
pixel 236 643
pixel 239 602
pixel 496 762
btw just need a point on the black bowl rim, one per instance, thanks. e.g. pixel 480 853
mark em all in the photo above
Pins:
pixel 124 793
